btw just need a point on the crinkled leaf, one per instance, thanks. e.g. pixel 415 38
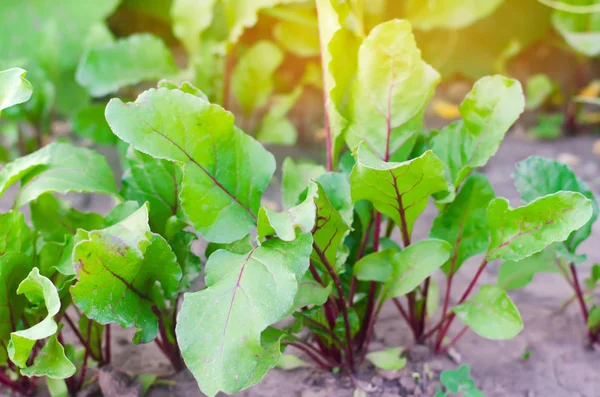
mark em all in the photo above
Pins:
pixel 140 57
pixel 398 190
pixel 51 362
pixel 452 14
pixel 70 169
pixel 488 111
pixel 392 87
pixel 538 176
pixel 521 232
pixel 491 314
pixel 388 360
pixel 580 30
pixel 118 269
pixel 14 88
pixel 517 274
pixel 252 79
pixel 463 223
pixel 244 295
pixel 539 87
pixel 225 170
pixel 295 179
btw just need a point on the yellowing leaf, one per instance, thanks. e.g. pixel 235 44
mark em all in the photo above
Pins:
pixel 446 110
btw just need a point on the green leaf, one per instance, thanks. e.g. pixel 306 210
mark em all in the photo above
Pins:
pixel 275 128
pixel 433 298
pixel 240 246
pixel 51 362
pixel 580 30
pixel 388 360
pixel 411 266
pixel 459 381
pixel 289 362
pixel 15 235
pixel 95 335
pixel 17 169
pixel 392 87
pixel 532 182
pixel 119 269
pixel 490 314
pixel 225 171
pixel 311 293
pixel 14 88
pixel 549 126
pixel 297 33
pixel 153 180
pixel 463 223
pixel 252 79
pixel 190 19
pixel 488 111
pixel 90 123
pixel 591 281
pixel 57 387
pixel 521 232
pixel 140 57
pixel 451 14
pixel 191 266
pixel 70 169
pixel 398 190
pixel 538 89
pixel 594 318
pixel 517 274
pixel 244 295
pixel 295 179
pixel 376 266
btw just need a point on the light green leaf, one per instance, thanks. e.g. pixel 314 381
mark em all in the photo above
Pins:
pixel 119 269
pixel 240 246
pixel 153 180
pixel 14 88
pixel 275 128
pixel 295 179
pixel 298 32
pixel 57 387
pixel 451 14
pixel 225 170
pixel 594 318
pixel 376 266
pixel 70 169
pixel 398 190
pixel 252 79
pixel 490 314
pixel 51 362
pixel 548 126
pixel 191 266
pixel 539 87
pixel 532 182
pixel 521 232
pixel 15 235
pixel 388 360
pixel 517 274
pixel 411 266
pixel 190 19
pixel 310 293
pixel 463 223
pixel 17 169
pixel 392 87
pixel 289 362
pixel 90 123
pixel 244 295
pixel 459 381
pixel 488 111
pixel 433 298
pixel 186 87
pixel 580 30
pixel 140 57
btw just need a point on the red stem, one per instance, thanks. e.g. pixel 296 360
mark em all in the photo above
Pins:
pixel 79 336
pixel 313 355
pixel 403 313
pixel 454 340
pixel 85 356
pixel 107 352
pixel 449 280
pixel 584 311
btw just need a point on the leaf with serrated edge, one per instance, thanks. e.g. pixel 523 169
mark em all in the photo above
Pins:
pixel 520 232
pixel 491 314
pixel 244 295
pixel 14 88
pixel 225 170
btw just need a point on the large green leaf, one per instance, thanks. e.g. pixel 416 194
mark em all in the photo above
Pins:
pixel 449 14
pixel 518 274
pixel 119 269
pixel 537 176
pixel 521 232
pixel 490 314
pixel 295 179
pixel 139 57
pixel 580 30
pixel 69 169
pixel 244 295
pixel 398 190
pixel 463 223
pixel 490 109
pixel 225 170
pixel 252 79
pixel 392 87
pixel 17 169
pixel 153 180
pixel 14 88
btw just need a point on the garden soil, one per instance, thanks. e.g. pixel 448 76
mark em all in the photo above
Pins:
pixel 548 359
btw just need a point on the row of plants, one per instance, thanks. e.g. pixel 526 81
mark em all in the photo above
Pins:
pixel 327 262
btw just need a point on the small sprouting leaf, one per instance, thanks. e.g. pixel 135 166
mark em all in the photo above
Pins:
pixel 392 87
pixel 252 79
pixel 532 182
pixel 517 274
pixel 388 360
pixel 459 381
pixel 14 88
pixel 491 314
pixel 288 362
pixel 69 169
pixel 414 264
pixel 594 318
pixel 90 123
pixel 118 271
pixel 376 266
pixel 539 87
pixel 463 223
pixel 548 126
pixel 521 232
pixel 488 111
pixel 244 295
pixel 449 14
pixel 398 190
pixel 295 179
pixel 131 60
pixel 224 170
